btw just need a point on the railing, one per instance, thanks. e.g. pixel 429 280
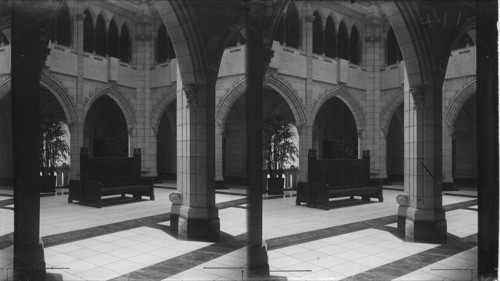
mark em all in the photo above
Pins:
pixel 290 175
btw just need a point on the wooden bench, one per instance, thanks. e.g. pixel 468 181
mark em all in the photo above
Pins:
pixel 104 176
pixel 334 178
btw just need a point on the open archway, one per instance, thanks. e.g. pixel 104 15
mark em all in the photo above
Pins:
pixel 395 147
pixel 105 129
pixel 50 108
pixel 334 131
pixel 464 145
pixel 234 135
pixel 166 141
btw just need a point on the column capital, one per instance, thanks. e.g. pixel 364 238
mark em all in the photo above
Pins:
pixel 155 131
pixel 299 128
pixel 131 131
pixel 360 133
pixel 222 129
pixel 417 93
pixel 451 131
pixel 191 91
pixel 383 132
pixel 267 56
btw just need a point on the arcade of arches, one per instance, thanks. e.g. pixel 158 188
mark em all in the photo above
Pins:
pixel 353 77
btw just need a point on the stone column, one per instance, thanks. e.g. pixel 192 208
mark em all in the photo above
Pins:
pixel 370 138
pixel 487 144
pixel 425 217
pixel 143 136
pixel 259 56
pixel 29 52
pixel 305 131
pixel 219 161
pixel 76 129
pixel 198 216
pixel 448 134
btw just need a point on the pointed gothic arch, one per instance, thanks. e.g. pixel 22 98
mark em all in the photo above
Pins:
pixel 55 86
pixel 388 111
pixel 119 98
pixel 279 85
pixel 343 94
pixel 457 102
pixel 167 98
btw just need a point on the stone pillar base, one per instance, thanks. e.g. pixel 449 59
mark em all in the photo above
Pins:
pixel 401 225
pixel 220 185
pixel 426 226
pixel 199 229
pixel 448 186
pixel 402 200
pixel 29 262
pixel 174 222
pixel 258 262
pixel 201 224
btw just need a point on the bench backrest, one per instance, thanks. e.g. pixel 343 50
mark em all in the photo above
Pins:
pixel 338 172
pixel 110 170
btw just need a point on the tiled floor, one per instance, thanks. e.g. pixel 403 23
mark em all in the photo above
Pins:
pixel 352 241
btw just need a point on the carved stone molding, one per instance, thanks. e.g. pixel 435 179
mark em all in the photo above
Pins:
pixel 80 17
pixel 222 129
pixel 418 97
pixel 110 86
pixel 393 103
pixel 131 131
pixel 451 131
pixel 267 56
pixel 383 133
pixel 190 90
pixel 360 133
pixel 332 88
pixel 299 127
pixel 457 96
pixel 143 37
pixel 71 125
pixel 309 18
pixel 155 132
